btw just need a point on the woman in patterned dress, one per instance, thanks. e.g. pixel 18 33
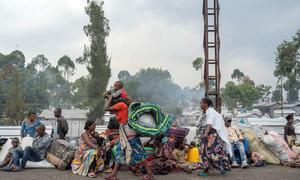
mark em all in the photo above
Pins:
pixel 214 145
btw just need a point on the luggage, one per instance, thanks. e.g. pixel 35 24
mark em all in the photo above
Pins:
pixel 60 154
pixel 256 146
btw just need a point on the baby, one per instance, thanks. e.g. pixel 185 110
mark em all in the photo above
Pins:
pixel 118 93
pixel 8 158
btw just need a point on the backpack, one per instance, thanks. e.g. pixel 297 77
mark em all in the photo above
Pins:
pixel 60 154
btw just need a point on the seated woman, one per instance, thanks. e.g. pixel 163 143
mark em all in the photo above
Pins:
pixel 163 162
pixel 180 154
pixel 88 155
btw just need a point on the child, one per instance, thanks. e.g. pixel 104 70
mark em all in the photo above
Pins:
pixel 258 160
pixel 118 93
pixel 179 155
pixel 8 158
pixel 193 153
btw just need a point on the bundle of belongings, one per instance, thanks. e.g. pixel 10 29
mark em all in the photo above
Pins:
pixel 60 154
pixel 148 120
pixel 270 146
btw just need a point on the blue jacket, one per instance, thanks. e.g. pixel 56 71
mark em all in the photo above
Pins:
pixel 29 129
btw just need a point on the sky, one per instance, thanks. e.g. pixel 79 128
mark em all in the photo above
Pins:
pixel 165 34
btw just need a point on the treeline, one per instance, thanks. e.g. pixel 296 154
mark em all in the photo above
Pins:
pixel 35 86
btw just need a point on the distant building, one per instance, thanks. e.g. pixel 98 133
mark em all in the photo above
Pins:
pixel 295 107
pixel 76 119
pixel 284 113
pixel 267 107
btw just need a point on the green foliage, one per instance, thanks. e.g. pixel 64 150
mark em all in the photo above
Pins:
pixel 288 66
pixel 124 76
pixel 96 59
pixel 79 92
pixel 197 63
pixel 238 75
pixel 276 95
pixel 243 95
pixel 66 66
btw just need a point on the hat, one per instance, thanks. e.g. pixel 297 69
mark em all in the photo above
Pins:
pixel 227 119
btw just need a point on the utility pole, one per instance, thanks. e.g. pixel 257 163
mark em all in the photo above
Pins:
pixel 281 91
pixel 211 45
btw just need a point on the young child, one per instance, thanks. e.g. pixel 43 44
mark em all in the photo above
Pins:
pixel 179 154
pixel 8 158
pixel 118 93
pixel 193 153
pixel 258 160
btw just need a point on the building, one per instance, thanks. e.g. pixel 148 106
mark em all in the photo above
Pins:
pixel 284 112
pixel 295 107
pixel 76 119
pixel 267 107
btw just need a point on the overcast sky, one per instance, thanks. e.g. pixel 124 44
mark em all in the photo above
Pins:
pixel 155 33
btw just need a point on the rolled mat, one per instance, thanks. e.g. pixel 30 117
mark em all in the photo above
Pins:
pixel 162 122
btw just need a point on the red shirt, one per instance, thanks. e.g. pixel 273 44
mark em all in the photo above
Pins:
pixel 121 112
pixel 123 94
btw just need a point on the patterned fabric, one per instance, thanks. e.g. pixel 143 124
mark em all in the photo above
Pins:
pixel 164 161
pixel 83 159
pixel 178 133
pixel 163 122
pixel 138 154
pixel 213 153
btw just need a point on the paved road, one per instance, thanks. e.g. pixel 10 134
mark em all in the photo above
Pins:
pixel 265 173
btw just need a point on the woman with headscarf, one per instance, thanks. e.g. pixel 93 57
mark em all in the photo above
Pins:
pixel 214 145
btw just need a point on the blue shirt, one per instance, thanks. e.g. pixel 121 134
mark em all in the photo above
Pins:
pixel 28 128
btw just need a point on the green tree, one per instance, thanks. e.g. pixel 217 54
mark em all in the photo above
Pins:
pixel 238 75
pixel 124 76
pixel 96 59
pixel 288 66
pixel 197 63
pixel 242 95
pixel 276 95
pixel 66 66
pixel 79 91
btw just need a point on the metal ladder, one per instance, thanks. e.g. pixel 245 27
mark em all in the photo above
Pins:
pixel 211 45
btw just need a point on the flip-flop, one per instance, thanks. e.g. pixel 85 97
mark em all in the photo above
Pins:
pixel 147 177
pixel 92 175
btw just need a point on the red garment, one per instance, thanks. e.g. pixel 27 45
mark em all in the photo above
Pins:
pixel 121 110
pixel 124 94
pixel 112 135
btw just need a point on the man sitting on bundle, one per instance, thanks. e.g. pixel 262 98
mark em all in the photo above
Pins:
pixel 236 140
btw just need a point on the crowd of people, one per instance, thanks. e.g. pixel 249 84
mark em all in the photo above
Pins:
pixel 221 146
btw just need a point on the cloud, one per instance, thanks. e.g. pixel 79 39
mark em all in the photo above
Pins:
pixel 166 34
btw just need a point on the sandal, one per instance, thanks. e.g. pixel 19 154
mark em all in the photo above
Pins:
pixel 92 175
pixel 147 177
pixel 202 174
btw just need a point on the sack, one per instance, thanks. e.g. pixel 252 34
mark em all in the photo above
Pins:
pixel 277 145
pixel 60 154
pixel 256 146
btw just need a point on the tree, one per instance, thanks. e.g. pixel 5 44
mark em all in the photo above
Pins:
pixel 243 95
pixel 288 66
pixel 276 95
pixel 66 66
pixel 96 59
pixel 40 63
pixel 79 92
pixel 124 76
pixel 238 75
pixel 197 63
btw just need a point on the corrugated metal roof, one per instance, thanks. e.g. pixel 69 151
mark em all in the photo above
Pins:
pixel 67 113
pixel 265 104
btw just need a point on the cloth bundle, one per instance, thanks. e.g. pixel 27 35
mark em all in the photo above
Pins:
pixel 143 125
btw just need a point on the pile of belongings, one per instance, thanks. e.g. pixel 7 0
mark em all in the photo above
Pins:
pixel 60 153
pixel 148 120
pixel 270 145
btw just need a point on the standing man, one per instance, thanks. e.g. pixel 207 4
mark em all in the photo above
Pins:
pixel 60 127
pixel 236 140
